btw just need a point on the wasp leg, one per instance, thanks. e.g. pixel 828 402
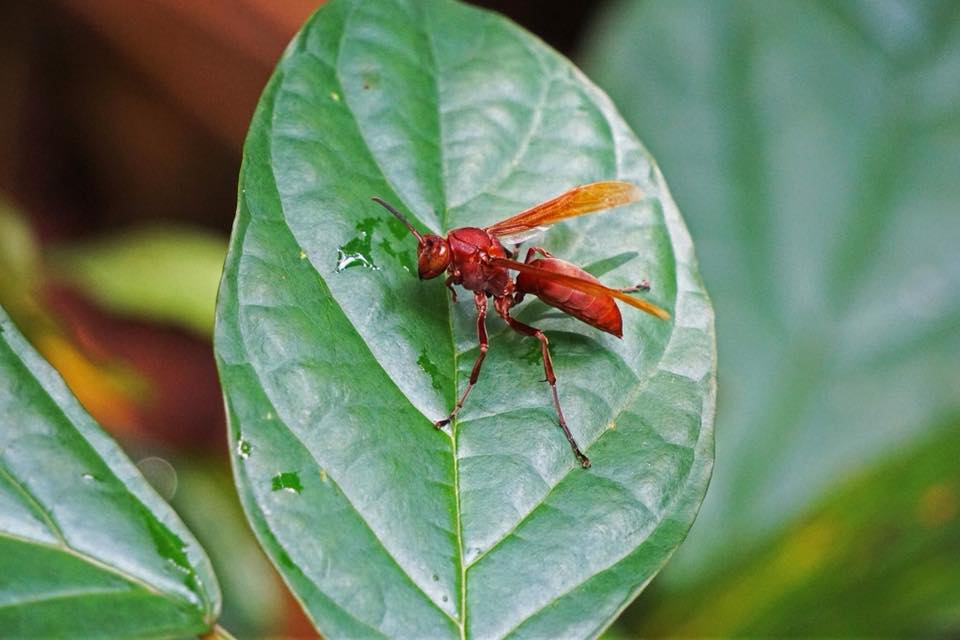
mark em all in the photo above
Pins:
pixel 532 251
pixel 448 283
pixel 503 308
pixel 643 285
pixel 481 300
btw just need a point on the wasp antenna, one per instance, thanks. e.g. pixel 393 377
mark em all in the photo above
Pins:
pixel 399 216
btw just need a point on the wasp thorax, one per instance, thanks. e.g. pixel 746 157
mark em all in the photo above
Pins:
pixel 433 256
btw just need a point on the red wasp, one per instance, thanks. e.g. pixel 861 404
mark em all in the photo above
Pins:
pixel 477 260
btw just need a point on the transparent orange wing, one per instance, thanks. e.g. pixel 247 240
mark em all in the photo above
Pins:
pixel 580 284
pixel 578 201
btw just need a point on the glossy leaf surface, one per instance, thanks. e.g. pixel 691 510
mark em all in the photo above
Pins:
pixel 87 548
pixel 818 149
pixel 335 358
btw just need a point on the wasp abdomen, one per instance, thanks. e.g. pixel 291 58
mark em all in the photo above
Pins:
pixel 597 311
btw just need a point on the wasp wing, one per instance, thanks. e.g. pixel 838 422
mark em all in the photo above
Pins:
pixel 522 236
pixel 578 201
pixel 579 284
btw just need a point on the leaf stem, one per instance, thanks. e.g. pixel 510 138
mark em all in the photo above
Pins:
pixel 217 633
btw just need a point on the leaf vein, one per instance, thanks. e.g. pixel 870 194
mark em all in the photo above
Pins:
pixel 454 427
pixel 347 499
pixel 94 562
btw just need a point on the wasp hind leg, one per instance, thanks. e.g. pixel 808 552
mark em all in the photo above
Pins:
pixel 503 308
pixel 533 251
pixel 643 285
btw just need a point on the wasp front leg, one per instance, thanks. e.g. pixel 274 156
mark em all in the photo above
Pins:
pixel 448 283
pixel 481 301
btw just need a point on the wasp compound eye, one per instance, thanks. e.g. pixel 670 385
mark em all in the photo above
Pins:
pixel 433 257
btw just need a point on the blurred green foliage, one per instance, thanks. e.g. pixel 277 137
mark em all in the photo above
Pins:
pixel 18 253
pixel 107 389
pixel 19 265
pixel 815 150
pixel 164 274
pixel 879 556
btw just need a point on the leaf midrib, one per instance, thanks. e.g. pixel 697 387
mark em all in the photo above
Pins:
pixel 346 497
pixel 320 278
pixel 64 547
pixel 638 387
pixel 96 563
pixel 455 425
pixel 63 595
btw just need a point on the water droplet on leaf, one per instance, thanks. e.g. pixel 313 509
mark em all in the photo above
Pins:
pixel 405 258
pixel 431 369
pixel 244 448
pixel 357 251
pixel 287 481
pixel 370 79
pixel 532 354
pixel 171 547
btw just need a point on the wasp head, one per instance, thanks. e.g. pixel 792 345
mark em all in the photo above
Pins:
pixel 433 256
pixel 433 253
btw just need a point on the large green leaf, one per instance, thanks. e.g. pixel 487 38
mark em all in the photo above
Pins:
pixel 87 548
pixel 334 358
pixel 818 146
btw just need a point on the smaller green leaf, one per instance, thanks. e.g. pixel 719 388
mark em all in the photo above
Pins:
pixel 166 274
pixel 87 548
